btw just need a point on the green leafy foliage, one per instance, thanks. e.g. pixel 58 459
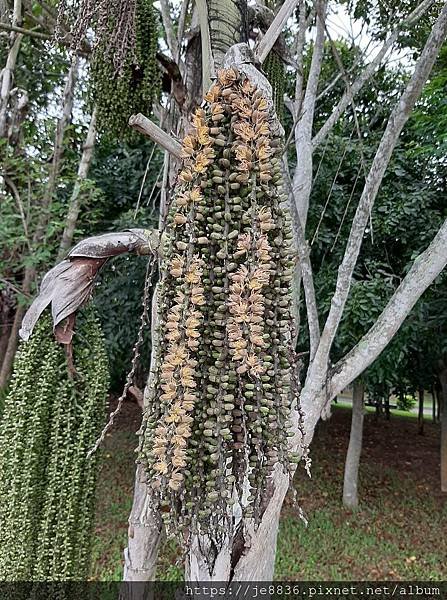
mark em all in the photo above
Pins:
pixel 118 302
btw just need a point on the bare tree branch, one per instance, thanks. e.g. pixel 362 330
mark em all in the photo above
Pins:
pixel 6 76
pixel 305 273
pixel 15 192
pixel 168 27
pixel 13 287
pixel 74 205
pixel 344 74
pixel 29 32
pixel 368 72
pixel 302 180
pixel 62 123
pixel 396 122
pixel 49 10
pixel 275 29
pixel 423 272
pixel 329 86
pixel 145 126
pixel 299 51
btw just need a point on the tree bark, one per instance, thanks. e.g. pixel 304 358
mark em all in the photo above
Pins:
pixel 145 532
pixel 7 74
pixel 421 396
pixel 6 316
pixel 74 205
pixel 145 527
pixel 387 406
pixel 433 403
pixel 227 26
pixel 302 179
pixel 350 483
pixel 58 150
pixel 443 380
pixel 8 359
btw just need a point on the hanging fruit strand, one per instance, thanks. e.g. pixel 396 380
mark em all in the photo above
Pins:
pixel 222 391
pixel 124 78
pixel 144 323
pixel 47 487
pixel 275 71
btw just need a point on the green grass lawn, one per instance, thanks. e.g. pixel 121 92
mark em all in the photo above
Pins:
pixel 398 533
pixel 405 414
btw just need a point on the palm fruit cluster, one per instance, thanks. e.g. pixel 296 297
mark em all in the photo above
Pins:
pixel 275 71
pixel 118 91
pixel 47 485
pixel 221 393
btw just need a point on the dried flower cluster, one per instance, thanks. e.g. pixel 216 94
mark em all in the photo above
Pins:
pixel 47 484
pixel 222 391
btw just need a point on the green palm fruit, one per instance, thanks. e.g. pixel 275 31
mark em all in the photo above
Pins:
pixel 47 485
pixel 225 319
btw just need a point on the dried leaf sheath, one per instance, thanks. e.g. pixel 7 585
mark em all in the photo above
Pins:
pixel 222 390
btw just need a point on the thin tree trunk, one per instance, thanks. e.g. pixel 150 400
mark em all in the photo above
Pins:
pixel 7 74
pixel 30 271
pixel 378 403
pixel 433 404
pixel 5 322
pixel 145 527
pixel 58 150
pixel 302 179
pixel 387 407
pixel 4 339
pixel 144 537
pixel 350 483
pixel 74 206
pixel 421 411
pixel 443 396
pixel 8 359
